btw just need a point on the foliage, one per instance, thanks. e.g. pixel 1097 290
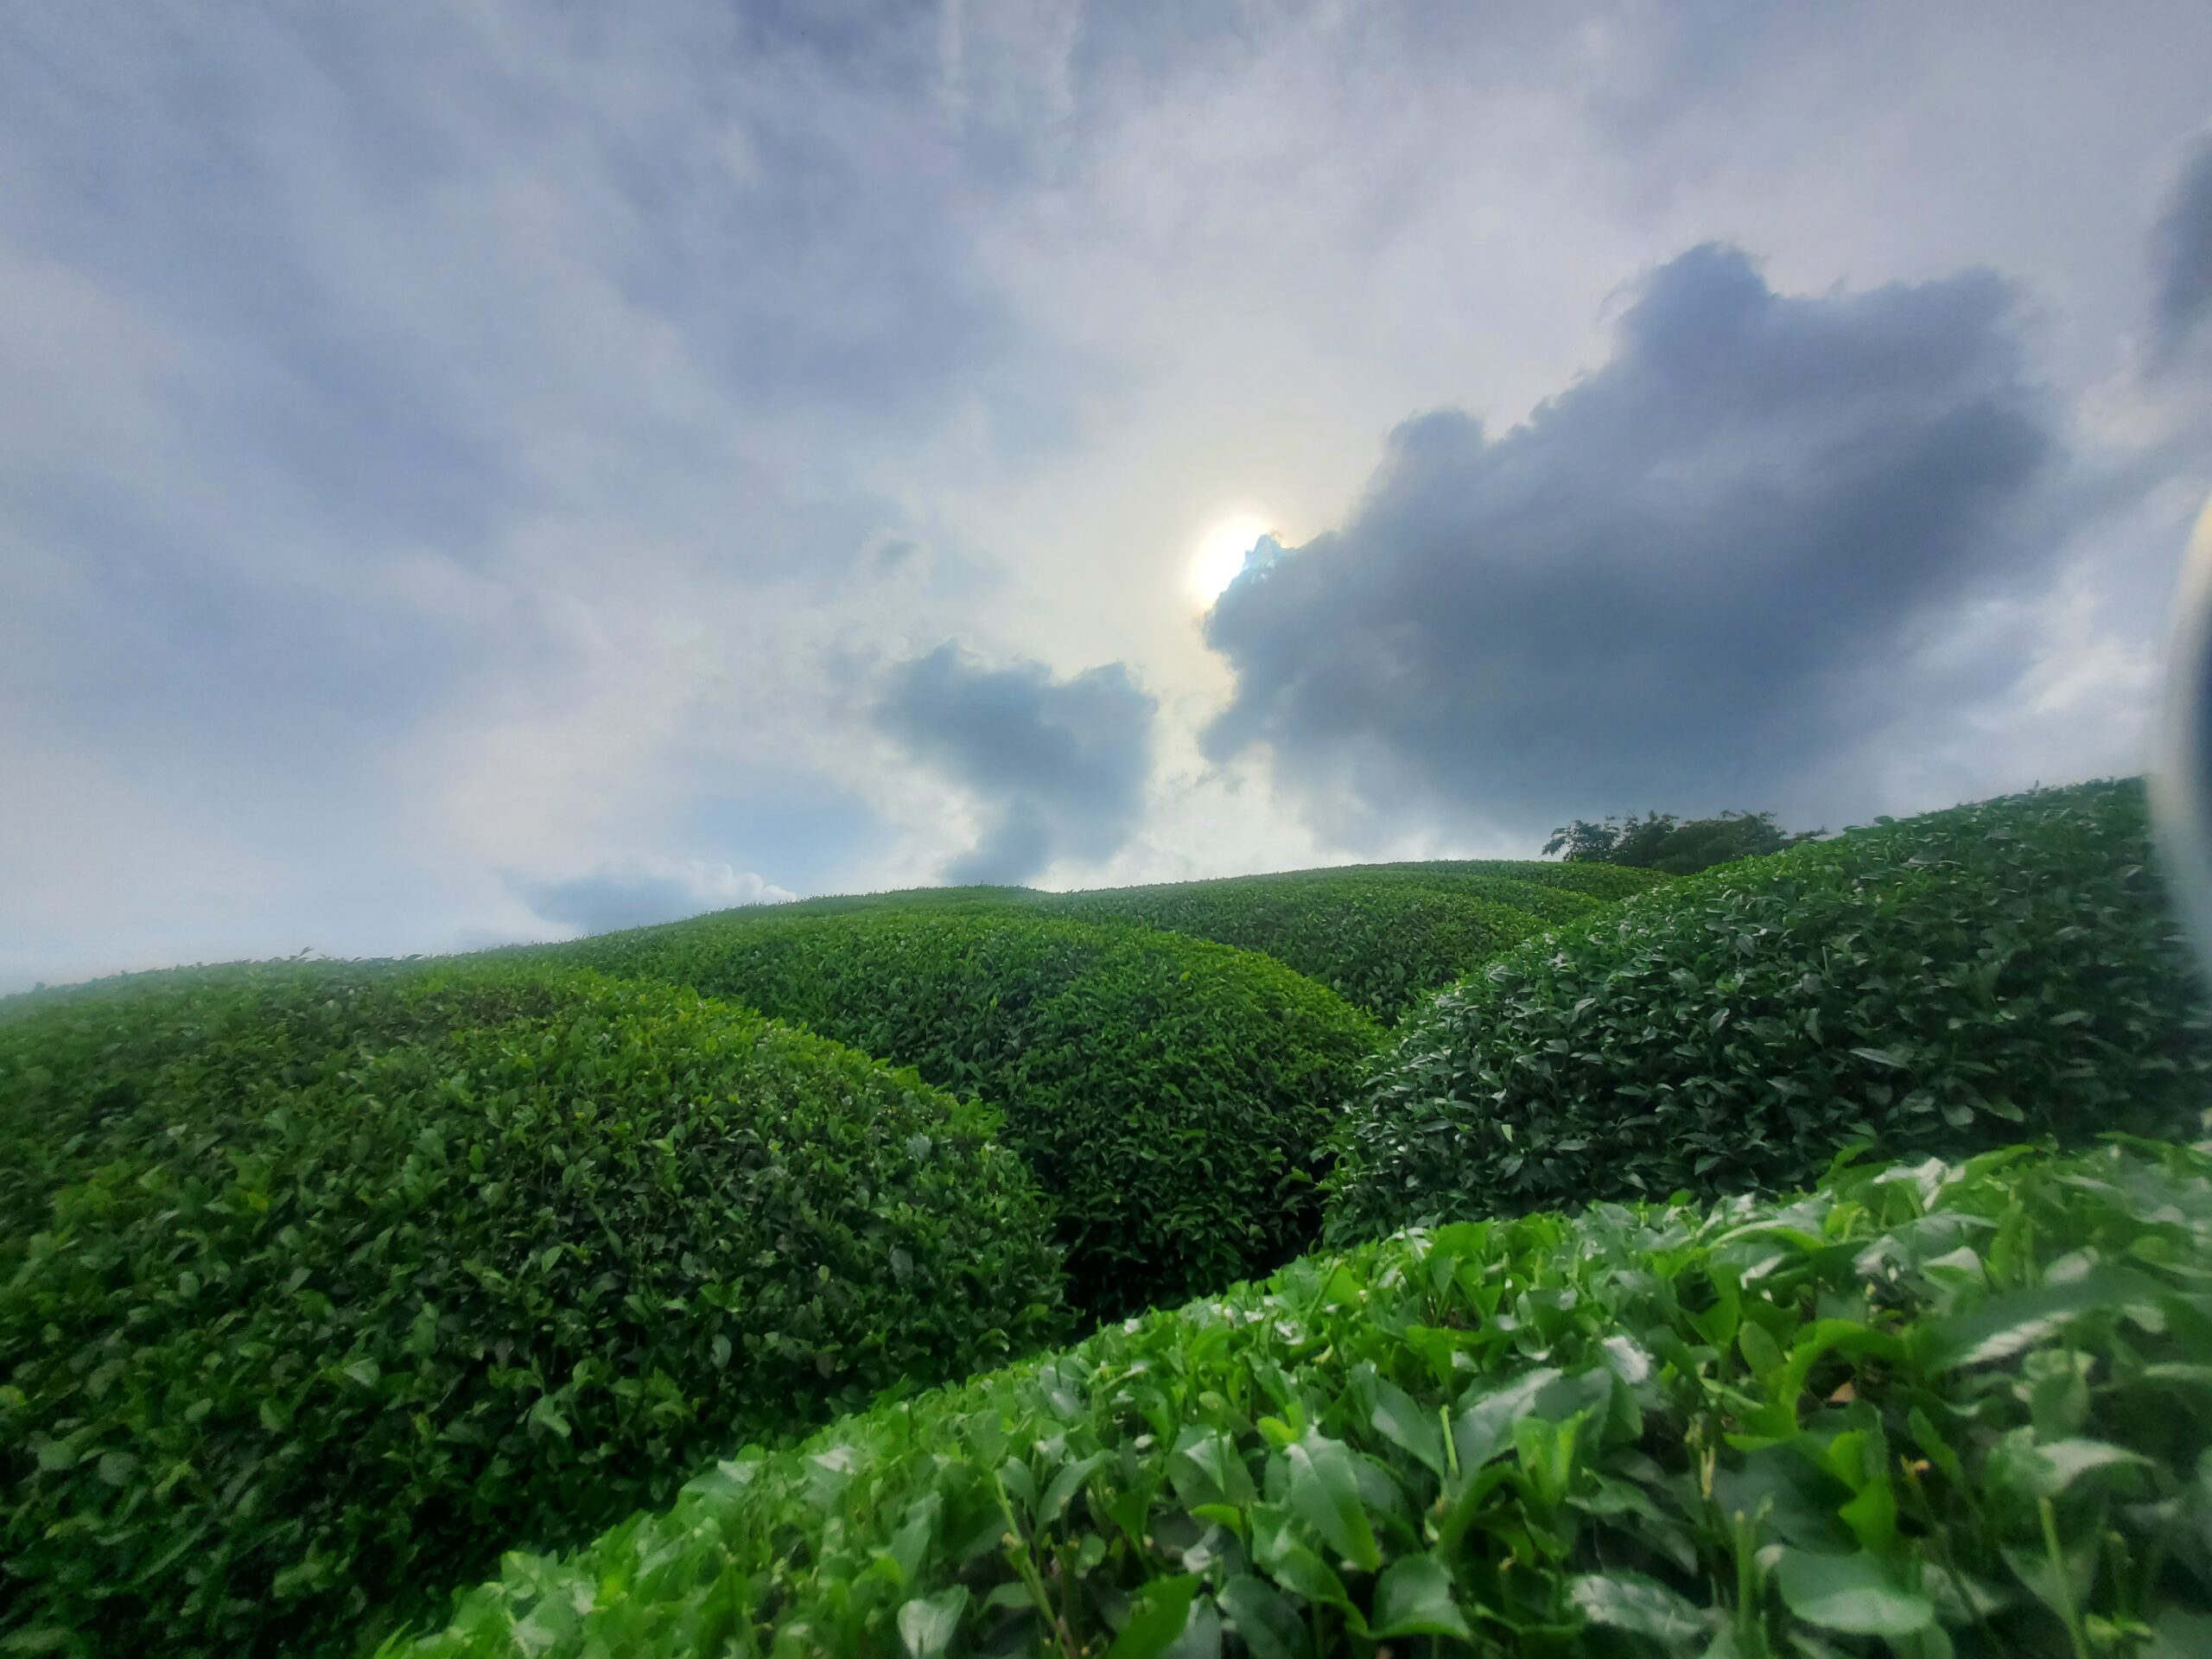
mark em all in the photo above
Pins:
pixel 320 1284
pixel 974 898
pixel 1658 841
pixel 1378 942
pixel 1380 936
pixel 1933 1411
pixel 1174 1096
pixel 1604 882
pixel 1940 984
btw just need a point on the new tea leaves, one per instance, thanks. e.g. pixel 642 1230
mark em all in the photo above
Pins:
pixel 1940 985
pixel 1872 1421
pixel 320 1287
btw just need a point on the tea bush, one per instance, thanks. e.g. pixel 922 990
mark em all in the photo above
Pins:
pixel 1378 942
pixel 1935 1410
pixel 1940 984
pixel 1174 1096
pixel 1607 882
pixel 320 1285
pixel 838 903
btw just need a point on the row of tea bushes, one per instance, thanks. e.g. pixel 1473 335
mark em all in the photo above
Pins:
pixel 1943 983
pixel 1932 1411
pixel 1605 882
pixel 1382 936
pixel 320 1286
pixel 1175 1097
pixel 1379 942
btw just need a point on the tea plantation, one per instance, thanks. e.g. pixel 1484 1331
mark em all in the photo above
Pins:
pixel 1175 1097
pixel 1989 974
pixel 1379 943
pixel 1728 1265
pixel 1935 1409
pixel 319 1286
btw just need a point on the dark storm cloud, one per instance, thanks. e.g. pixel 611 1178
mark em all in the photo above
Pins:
pixel 2181 254
pixel 1680 583
pixel 1061 764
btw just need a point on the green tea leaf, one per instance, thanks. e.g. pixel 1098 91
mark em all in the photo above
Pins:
pixel 1324 1491
pixel 1270 1626
pixel 1861 1594
pixel 1162 1608
pixel 927 1625
pixel 1413 1597
pixel 1402 1421
pixel 1640 1606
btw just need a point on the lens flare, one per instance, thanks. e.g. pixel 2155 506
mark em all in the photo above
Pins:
pixel 2181 788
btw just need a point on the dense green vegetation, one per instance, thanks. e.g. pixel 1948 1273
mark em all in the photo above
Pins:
pixel 1377 941
pixel 1605 882
pixel 1952 981
pixel 320 1285
pixel 1175 1097
pixel 1937 1410
pixel 1380 936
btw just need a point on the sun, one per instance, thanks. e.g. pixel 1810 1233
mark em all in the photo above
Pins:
pixel 1220 553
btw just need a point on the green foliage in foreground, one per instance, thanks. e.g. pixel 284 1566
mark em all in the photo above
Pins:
pixel 319 1285
pixel 1376 942
pixel 1933 1411
pixel 1937 985
pixel 1174 1096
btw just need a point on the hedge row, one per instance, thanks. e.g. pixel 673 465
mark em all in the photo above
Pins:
pixel 320 1286
pixel 1932 1411
pixel 1380 936
pixel 1175 1097
pixel 1941 984
pixel 1605 882
pixel 1379 943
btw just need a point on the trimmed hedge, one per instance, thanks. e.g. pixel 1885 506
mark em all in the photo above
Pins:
pixel 320 1285
pixel 838 903
pixel 1931 1411
pixel 1605 882
pixel 1378 942
pixel 1941 984
pixel 1174 1096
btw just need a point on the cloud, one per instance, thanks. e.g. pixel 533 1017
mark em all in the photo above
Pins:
pixel 455 440
pixel 636 892
pixel 2181 254
pixel 1061 765
pixel 1684 581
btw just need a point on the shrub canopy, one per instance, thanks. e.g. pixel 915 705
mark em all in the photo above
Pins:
pixel 1931 1411
pixel 321 1284
pixel 1375 942
pixel 1174 1096
pixel 1944 983
pixel 1601 881
pixel 1381 937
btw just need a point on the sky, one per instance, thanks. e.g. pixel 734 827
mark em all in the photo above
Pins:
pixel 475 471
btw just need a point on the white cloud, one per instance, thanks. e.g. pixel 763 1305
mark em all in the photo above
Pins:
pixel 639 891
pixel 443 441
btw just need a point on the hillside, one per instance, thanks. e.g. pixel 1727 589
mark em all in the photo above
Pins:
pixel 1380 935
pixel 322 1285
pixel 1175 1097
pixel 1995 972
